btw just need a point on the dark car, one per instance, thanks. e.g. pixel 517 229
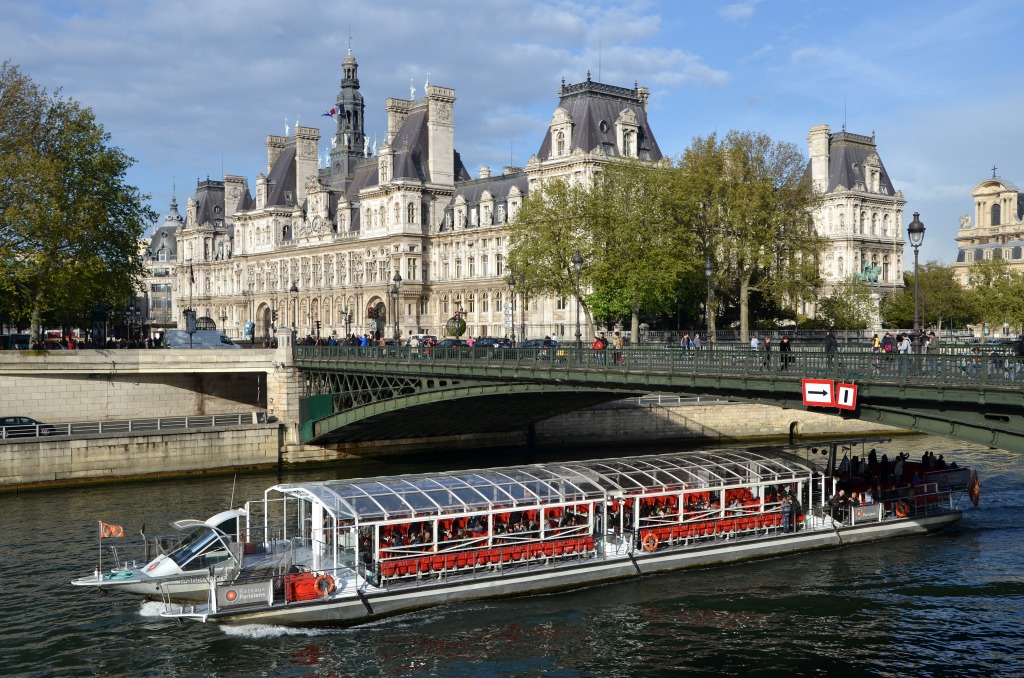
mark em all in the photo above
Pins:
pixel 493 342
pixel 542 349
pixel 24 427
pixel 450 348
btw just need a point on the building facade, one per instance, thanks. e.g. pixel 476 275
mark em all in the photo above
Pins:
pixel 861 212
pixel 361 240
pixel 995 231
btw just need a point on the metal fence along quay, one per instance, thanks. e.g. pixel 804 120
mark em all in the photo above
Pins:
pixel 131 426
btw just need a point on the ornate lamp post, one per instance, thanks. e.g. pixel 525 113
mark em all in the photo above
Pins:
pixel 512 300
pixel 577 264
pixel 293 291
pixel 708 270
pixel 916 233
pixel 394 301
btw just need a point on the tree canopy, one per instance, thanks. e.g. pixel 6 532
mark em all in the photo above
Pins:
pixel 746 199
pixel 69 224
pixel 849 306
pixel 942 301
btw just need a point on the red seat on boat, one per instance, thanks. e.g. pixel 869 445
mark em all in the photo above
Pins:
pixel 517 552
pixel 387 568
pixel 559 548
pixel 437 563
pixel 462 559
pixel 450 561
pixel 494 555
pixel 569 546
pixel 590 543
pixel 549 550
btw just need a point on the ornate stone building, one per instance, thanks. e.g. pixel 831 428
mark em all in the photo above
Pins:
pixel 861 212
pixel 996 230
pixel 333 238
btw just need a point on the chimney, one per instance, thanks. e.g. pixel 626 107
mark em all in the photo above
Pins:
pixel 817 149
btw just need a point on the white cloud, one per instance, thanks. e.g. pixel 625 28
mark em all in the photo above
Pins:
pixel 738 11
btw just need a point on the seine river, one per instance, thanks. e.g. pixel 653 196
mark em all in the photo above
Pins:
pixel 950 604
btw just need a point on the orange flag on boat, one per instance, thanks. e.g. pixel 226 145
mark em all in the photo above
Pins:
pixel 108 530
pixel 974 489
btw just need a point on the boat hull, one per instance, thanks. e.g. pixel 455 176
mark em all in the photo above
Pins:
pixel 349 607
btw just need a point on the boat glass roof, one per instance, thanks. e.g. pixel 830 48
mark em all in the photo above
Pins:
pixel 453 492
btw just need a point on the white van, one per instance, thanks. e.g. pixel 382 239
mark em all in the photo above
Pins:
pixel 201 339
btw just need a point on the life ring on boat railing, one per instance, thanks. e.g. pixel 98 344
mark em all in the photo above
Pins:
pixel 650 542
pixel 325 585
pixel 152 566
pixel 902 508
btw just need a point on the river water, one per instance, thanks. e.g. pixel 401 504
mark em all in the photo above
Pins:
pixel 941 605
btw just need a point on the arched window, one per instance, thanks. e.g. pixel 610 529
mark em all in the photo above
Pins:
pixel 874 224
pixel 863 221
pixel 842 223
pixel 471 304
pixel 484 306
pixel 444 305
pixel 628 145
pixel 995 215
pixel 411 216
pixel 560 144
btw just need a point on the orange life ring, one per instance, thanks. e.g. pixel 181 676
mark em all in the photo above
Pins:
pixel 327 590
pixel 650 542
pixel 902 508
pixel 152 566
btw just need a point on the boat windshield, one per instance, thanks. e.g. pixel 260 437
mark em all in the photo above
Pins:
pixel 199 549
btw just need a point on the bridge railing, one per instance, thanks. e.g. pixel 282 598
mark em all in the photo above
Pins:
pixel 947 367
pixel 132 426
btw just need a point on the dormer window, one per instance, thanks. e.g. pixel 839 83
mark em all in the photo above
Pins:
pixel 561 133
pixel 627 132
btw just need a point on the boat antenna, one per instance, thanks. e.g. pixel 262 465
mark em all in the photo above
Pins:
pixel 233 481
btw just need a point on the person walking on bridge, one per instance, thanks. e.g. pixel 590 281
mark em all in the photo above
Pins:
pixel 831 348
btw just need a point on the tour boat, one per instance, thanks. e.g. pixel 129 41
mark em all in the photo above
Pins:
pixel 348 551
pixel 177 567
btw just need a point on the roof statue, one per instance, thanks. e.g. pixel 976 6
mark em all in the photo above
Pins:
pixel 286 130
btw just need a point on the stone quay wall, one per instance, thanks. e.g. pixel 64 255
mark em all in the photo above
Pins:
pixel 58 461
pixel 714 421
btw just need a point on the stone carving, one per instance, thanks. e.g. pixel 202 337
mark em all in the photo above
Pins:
pixel 444 112
pixel 965 221
pixel 870 273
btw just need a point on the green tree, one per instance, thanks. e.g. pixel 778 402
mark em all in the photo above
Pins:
pixel 849 306
pixel 634 252
pixel 942 301
pixel 69 224
pixel 996 294
pixel 751 208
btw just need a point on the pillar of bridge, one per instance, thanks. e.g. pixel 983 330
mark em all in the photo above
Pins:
pixel 284 386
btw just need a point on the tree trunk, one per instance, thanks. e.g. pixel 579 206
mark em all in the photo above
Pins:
pixel 634 326
pixel 744 308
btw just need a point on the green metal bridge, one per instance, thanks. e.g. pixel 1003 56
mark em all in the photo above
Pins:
pixel 372 393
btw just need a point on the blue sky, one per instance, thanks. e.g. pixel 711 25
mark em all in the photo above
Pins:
pixel 189 88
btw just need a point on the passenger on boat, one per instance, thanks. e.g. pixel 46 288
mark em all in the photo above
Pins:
pixel 787 512
pixel 838 504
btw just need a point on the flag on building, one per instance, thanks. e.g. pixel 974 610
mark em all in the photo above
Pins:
pixel 108 530
pixel 329 113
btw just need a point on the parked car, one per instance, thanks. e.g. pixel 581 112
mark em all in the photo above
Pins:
pixel 450 348
pixel 492 345
pixel 542 349
pixel 199 339
pixel 24 427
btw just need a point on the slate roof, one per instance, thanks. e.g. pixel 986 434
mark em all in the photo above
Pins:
pixel 282 178
pixel 411 147
pixel 1016 254
pixel 591 103
pixel 499 186
pixel 209 203
pixel 847 154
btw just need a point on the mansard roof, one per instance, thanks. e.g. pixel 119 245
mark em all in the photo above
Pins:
pixel 498 186
pixel 282 178
pixel 847 155
pixel 590 104
pixel 209 203
pixel 411 149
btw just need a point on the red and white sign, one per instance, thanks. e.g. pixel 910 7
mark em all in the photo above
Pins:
pixel 819 392
pixel 846 396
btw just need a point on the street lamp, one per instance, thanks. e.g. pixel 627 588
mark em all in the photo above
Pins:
pixel 916 232
pixel 512 299
pixel 394 301
pixel 577 264
pixel 708 270
pixel 294 292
